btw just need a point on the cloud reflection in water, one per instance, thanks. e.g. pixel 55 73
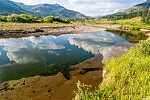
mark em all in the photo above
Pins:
pixel 30 56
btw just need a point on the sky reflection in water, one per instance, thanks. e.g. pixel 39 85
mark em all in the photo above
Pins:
pixel 48 55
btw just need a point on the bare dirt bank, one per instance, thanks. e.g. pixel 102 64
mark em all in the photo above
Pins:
pixel 48 30
pixel 60 86
pixel 54 87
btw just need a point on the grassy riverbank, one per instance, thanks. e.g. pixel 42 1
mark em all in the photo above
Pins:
pixel 134 30
pixel 129 35
pixel 128 77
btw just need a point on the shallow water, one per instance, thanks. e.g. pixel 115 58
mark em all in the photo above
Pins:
pixel 48 55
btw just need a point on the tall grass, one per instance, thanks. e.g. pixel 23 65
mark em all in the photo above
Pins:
pixel 128 77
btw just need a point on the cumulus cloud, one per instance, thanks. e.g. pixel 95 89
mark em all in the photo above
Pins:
pixel 95 43
pixel 23 56
pixel 44 48
pixel 31 2
pixel 93 7
pixel 101 7
pixel 89 7
pixel 109 45
pixel 28 49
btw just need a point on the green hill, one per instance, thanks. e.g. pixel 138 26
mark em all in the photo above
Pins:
pixel 127 79
pixel 44 10
pixel 8 7
pixel 137 10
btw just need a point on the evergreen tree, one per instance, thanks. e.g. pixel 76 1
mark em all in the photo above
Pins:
pixel 146 15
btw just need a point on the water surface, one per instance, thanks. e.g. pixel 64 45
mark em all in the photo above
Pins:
pixel 48 55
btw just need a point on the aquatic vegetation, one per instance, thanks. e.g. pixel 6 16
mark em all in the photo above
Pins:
pixel 131 36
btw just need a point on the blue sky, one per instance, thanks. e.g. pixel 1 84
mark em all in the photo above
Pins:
pixel 89 7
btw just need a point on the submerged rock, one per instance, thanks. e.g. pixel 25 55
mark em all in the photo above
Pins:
pixel 2 32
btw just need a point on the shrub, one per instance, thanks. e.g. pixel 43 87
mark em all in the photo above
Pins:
pixel 24 18
pixel 3 19
pixel 48 19
pixel 62 20
pixel 135 28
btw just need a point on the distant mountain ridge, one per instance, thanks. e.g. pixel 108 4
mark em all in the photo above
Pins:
pixel 8 7
pixel 134 11
pixel 146 3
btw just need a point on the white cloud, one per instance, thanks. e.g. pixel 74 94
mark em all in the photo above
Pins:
pixel 32 49
pixel 21 57
pixel 89 7
pixel 31 2
pixel 94 42
pixel 28 49
pixel 93 8
pixel 107 44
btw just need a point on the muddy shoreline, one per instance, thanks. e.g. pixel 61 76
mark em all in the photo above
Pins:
pixel 60 86
pixel 59 30
pixel 56 87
